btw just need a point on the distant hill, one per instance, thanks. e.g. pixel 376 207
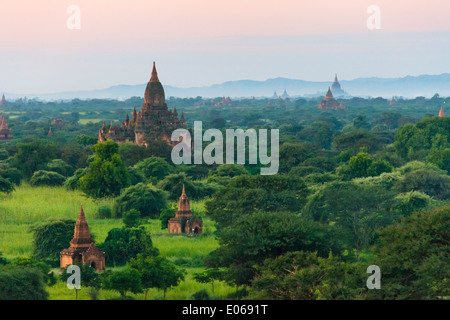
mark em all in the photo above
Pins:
pixel 407 87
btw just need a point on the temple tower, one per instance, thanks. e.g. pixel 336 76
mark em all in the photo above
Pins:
pixel 184 222
pixel 82 247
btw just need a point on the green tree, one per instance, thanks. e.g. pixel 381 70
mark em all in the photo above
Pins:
pixel 47 178
pixel 6 186
pixel 378 167
pixel 61 167
pixel 154 168
pixel 156 272
pixel 209 276
pixel 307 276
pixel 253 238
pixel 413 257
pixel 292 155
pixel 127 280
pixel 22 262
pixel 22 284
pixel 166 214
pixel 106 175
pixel 246 194
pixel 428 181
pixel 131 218
pixel 132 153
pixel 89 278
pixel 145 198
pixel 359 164
pixel 33 156
pixel 122 244
pixel 12 174
pixel 49 238
pixel 356 211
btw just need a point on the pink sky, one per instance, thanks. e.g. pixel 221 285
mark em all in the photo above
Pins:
pixel 27 22
pixel 34 31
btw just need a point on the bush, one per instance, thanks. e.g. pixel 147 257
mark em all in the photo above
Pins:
pixel 72 182
pixel 412 201
pixel 301 171
pixel 173 184
pixel 201 295
pixel 12 174
pixel 238 294
pixel 6 186
pixel 61 167
pixel 154 168
pixel 122 244
pixel 50 238
pixel 22 284
pixel 47 178
pixel 427 181
pixel 104 212
pixel 146 199
pixel 165 215
pixel 131 218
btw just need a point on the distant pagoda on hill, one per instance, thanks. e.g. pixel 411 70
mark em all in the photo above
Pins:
pixel 442 113
pixel 154 122
pixel 3 101
pixel 393 102
pixel 336 88
pixel 329 102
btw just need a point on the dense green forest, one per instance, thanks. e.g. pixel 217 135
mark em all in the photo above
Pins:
pixel 366 185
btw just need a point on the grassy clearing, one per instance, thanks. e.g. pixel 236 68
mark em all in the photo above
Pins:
pixel 86 121
pixel 28 205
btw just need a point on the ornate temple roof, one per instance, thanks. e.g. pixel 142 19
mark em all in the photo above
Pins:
pixel 154 92
pixel 184 209
pixel 81 236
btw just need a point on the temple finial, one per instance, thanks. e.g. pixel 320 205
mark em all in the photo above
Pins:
pixel 154 76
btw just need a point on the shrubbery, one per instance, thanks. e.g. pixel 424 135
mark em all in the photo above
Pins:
pixel 47 178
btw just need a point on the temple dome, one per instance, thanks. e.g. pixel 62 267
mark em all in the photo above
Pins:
pixel 154 93
pixel 336 86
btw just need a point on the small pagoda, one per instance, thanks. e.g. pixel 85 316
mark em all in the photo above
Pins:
pixel 5 132
pixel 82 247
pixel 329 102
pixel 441 113
pixel 184 222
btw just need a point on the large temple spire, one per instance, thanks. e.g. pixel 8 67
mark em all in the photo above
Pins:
pixel 154 76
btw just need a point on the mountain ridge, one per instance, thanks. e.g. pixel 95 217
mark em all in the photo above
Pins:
pixel 407 87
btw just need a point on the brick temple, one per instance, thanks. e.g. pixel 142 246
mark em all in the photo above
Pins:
pixel 82 247
pixel 329 102
pixel 184 222
pixel 5 132
pixel 152 123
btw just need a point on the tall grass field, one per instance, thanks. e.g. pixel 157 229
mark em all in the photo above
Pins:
pixel 29 205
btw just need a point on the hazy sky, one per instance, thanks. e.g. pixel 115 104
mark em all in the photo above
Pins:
pixel 203 42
